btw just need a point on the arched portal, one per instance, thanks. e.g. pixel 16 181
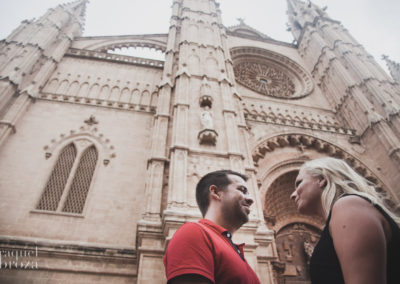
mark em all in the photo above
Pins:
pixel 296 234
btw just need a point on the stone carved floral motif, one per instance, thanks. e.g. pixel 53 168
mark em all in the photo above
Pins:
pixel 264 79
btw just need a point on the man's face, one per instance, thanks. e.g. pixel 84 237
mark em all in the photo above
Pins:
pixel 236 201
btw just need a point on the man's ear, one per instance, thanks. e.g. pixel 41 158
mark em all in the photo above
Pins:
pixel 214 192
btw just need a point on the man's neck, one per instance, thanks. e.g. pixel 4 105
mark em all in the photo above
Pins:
pixel 221 222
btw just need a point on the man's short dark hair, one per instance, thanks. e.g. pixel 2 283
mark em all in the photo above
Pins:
pixel 217 178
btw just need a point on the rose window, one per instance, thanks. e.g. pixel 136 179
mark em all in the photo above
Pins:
pixel 264 79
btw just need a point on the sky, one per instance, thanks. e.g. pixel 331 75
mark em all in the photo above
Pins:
pixel 373 23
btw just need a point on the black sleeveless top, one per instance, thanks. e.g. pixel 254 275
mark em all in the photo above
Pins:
pixel 325 266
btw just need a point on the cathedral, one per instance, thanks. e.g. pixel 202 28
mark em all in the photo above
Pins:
pixel 100 152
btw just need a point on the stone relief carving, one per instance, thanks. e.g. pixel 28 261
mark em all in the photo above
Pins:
pixel 292 254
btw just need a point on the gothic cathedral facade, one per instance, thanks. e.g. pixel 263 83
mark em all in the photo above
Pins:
pixel 100 152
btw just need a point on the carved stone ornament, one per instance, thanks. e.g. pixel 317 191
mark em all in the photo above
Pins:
pixel 206 101
pixel 91 121
pixel 207 137
pixel 264 79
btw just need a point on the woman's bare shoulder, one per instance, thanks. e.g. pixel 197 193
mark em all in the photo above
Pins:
pixel 352 202
pixel 353 210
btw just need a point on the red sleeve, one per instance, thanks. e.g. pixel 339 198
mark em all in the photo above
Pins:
pixel 190 251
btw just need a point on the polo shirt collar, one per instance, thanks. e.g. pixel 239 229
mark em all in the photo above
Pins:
pixel 222 231
pixel 217 228
pixel 214 226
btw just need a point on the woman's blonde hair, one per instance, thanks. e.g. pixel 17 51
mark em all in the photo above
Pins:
pixel 342 179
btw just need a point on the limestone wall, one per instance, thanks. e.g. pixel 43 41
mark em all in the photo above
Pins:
pixel 114 202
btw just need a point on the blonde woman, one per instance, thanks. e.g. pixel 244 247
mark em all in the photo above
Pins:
pixel 361 239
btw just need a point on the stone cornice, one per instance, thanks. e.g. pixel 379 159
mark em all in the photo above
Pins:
pixel 104 43
pixel 96 102
pixel 123 59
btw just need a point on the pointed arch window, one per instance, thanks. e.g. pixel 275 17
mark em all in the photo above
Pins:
pixel 69 182
pixel 58 179
pixel 80 185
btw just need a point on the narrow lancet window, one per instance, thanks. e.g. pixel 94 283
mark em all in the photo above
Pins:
pixel 58 179
pixel 80 185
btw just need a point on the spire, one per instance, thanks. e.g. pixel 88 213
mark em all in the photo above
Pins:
pixel 394 68
pixel 301 13
pixel 75 9
pixel 295 5
pixel 78 9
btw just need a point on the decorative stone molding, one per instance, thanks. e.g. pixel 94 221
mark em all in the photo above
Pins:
pixel 104 43
pixel 115 57
pixel 101 91
pixel 84 136
pixel 270 73
pixel 303 142
pixel 97 102
pixel 206 101
pixel 300 118
pixel 208 136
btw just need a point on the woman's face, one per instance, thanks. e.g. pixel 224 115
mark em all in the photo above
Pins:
pixel 307 194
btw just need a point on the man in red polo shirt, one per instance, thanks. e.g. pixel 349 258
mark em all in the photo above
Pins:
pixel 203 252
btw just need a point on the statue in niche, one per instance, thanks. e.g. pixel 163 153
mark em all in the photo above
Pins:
pixel 206 119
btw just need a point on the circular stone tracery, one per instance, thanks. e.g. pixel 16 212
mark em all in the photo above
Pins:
pixel 270 73
pixel 264 79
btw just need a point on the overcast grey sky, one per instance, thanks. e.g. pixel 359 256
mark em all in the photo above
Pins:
pixel 374 23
